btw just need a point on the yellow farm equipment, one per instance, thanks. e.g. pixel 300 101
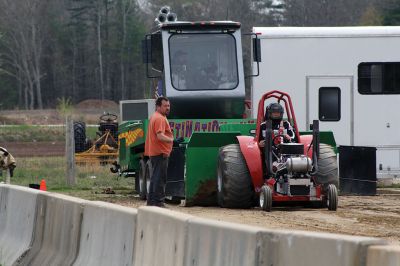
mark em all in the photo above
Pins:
pixel 104 150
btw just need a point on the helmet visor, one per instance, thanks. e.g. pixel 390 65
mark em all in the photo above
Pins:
pixel 276 115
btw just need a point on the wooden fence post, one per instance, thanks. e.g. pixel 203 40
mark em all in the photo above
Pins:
pixel 70 151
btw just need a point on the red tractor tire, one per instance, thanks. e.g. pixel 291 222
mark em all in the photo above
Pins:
pixel 235 188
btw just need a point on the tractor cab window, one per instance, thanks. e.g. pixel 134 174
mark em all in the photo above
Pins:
pixel 203 61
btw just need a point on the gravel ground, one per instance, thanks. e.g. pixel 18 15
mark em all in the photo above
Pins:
pixel 373 216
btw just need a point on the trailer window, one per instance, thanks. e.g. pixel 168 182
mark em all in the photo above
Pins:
pixel 329 104
pixel 379 78
pixel 203 61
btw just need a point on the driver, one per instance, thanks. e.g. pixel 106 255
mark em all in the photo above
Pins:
pixel 179 70
pixel 274 112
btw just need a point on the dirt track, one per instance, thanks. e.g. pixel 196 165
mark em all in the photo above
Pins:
pixel 374 216
pixel 29 149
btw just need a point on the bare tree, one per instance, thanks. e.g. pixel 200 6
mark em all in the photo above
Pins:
pixel 23 22
pixel 324 12
pixel 125 8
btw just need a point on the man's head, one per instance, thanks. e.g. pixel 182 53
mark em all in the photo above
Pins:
pixel 274 112
pixel 162 105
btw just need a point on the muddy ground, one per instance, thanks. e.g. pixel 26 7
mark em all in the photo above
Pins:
pixel 373 216
pixel 29 149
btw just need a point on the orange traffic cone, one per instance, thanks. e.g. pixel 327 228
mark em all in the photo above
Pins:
pixel 43 185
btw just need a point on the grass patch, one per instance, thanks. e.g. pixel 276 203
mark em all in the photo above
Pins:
pixel 91 180
pixel 32 133
pixel 25 133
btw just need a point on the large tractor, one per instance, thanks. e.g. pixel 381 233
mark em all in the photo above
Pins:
pixel 199 67
pixel 264 167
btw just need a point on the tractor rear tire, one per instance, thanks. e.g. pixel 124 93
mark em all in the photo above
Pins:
pixel 142 180
pixel 327 167
pixel 332 197
pixel 266 198
pixel 80 136
pixel 235 188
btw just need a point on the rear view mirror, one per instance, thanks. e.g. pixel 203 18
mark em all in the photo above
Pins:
pixel 157 52
pixel 152 54
pixel 256 50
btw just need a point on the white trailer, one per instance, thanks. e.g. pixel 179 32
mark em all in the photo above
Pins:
pixel 347 77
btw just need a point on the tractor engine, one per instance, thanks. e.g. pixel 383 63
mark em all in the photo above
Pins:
pixel 292 170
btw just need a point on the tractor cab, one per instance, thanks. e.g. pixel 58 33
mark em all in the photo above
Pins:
pixel 199 67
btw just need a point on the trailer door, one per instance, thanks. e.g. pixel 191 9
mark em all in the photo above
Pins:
pixel 330 100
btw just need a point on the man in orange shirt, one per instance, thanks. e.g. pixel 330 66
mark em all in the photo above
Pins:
pixel 159 141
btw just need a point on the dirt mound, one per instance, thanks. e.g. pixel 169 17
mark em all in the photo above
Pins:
pixel 97 104
pixel 30 117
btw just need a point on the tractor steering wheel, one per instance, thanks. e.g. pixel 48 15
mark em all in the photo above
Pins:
pixel 108 117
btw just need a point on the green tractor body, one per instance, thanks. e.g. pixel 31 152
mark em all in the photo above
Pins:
pixel 192 166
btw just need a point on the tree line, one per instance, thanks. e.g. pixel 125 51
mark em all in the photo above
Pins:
pixel 91 49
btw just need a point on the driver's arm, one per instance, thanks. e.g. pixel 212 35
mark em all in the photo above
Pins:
pixel 290 136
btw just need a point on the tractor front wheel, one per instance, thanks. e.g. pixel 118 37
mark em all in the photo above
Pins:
pixel 332 197
pixel 235 188
pixel 266 198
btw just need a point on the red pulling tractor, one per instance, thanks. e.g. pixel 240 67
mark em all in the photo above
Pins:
pixel 264 168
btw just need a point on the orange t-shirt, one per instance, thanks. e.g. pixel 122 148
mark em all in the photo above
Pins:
pixel 153 146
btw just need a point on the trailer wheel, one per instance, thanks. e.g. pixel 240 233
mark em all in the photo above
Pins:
pixel 332 197
pixel 327 167
pixel 235 188
pixel 148 174
pixel 266 198
pixel 142 180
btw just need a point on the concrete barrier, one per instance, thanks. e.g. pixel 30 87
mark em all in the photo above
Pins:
pixel 212 242
pixel 383 255
pixel 160 237
pixel 40 228
pixel 107 235
pixel 57 231
pixel 17 217
pixel 286 248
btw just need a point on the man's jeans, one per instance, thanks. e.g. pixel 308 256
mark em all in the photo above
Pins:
pixel 156 195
